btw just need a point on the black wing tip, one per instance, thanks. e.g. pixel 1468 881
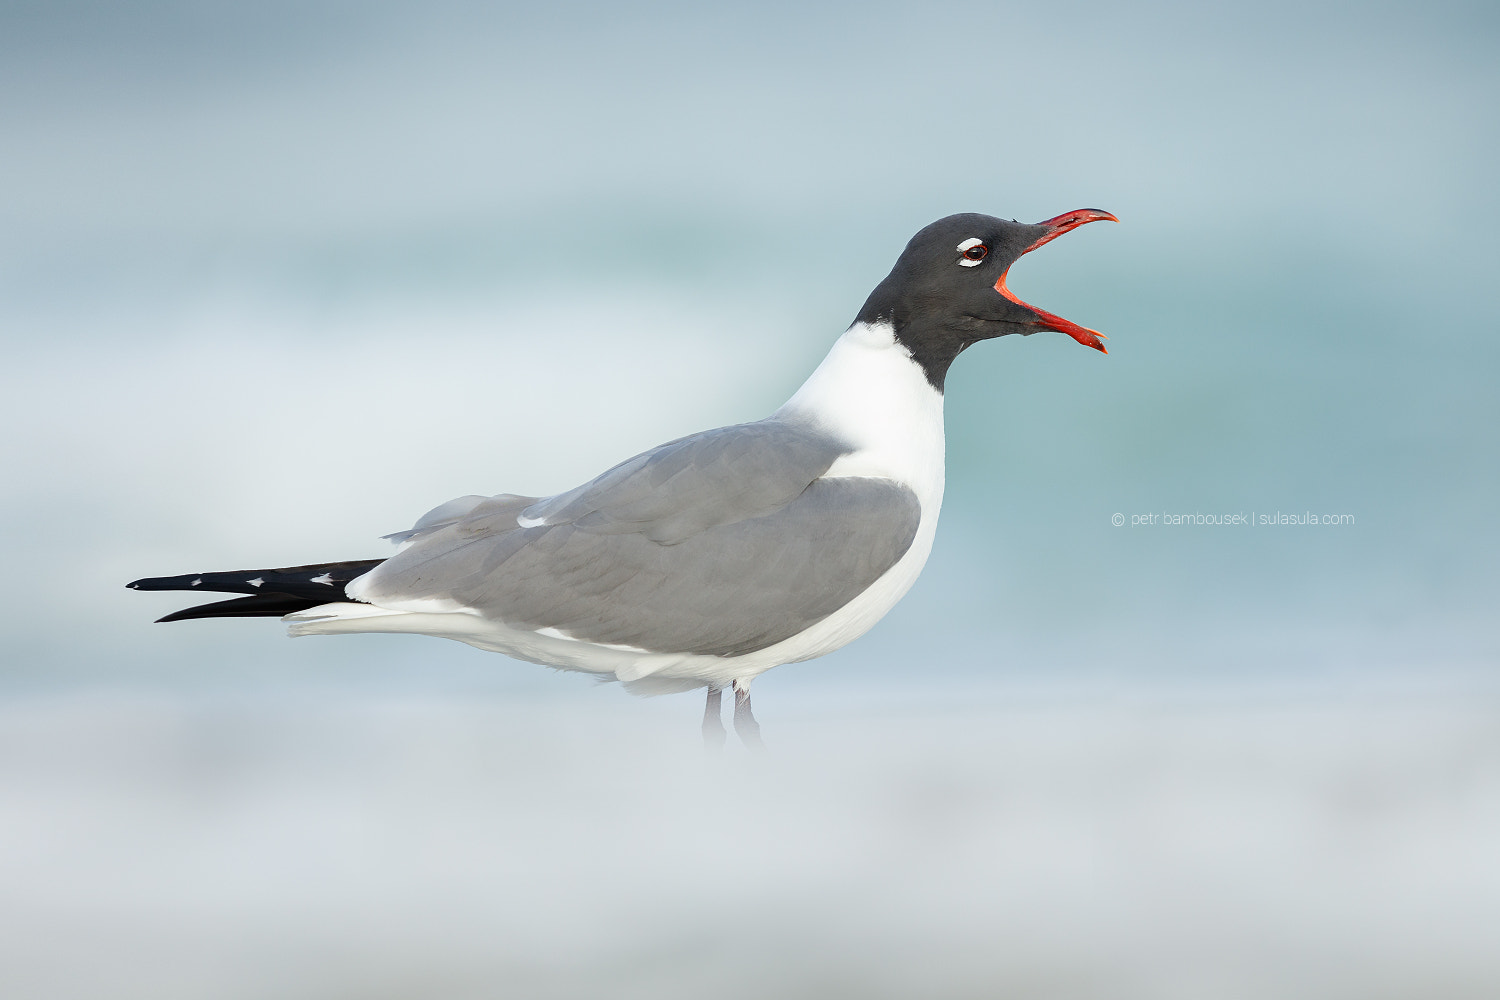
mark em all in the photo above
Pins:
pixel 183 582
pixel 201 611
pixel 268 592
pixel 187 613
pixel 314 579
pixel 257 606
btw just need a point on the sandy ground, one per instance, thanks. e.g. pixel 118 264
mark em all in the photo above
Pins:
pixel 1079 844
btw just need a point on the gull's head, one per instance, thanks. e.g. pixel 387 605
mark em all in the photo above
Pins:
pixel 948 288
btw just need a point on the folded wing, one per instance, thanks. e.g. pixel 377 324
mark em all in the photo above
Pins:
pixel 721 544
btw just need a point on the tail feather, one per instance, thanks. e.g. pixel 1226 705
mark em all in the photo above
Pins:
pixel 273 592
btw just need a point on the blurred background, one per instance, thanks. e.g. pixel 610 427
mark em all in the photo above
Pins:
pixel 277 278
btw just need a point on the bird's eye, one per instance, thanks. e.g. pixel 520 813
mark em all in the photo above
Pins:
pixel 973 250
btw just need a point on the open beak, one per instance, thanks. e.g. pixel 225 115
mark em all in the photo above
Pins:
pixel 1045 320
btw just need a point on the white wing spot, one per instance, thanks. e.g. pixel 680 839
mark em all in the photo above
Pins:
pixel 623 649
pixel 196 582
pixel 256 582
pixel 553 633
pixel 530 522
pixel 325 578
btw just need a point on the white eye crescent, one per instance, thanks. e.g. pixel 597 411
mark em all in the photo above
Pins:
pixel 973 250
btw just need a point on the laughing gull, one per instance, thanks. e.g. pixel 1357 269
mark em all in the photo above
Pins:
pixel 713 558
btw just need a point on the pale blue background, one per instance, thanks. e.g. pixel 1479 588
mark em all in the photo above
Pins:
pixel 276 278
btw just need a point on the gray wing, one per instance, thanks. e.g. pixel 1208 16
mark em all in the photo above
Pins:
pixel 721 543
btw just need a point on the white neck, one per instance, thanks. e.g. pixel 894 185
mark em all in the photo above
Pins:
pixel 870 393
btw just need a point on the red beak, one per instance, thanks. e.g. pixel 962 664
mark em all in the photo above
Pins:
pixel 1047 321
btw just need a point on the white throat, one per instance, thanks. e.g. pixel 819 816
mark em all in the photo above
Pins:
pixel 870 393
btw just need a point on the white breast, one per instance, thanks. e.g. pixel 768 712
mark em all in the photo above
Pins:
pixel 870 393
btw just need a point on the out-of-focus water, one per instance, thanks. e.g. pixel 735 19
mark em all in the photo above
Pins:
pixel 275 279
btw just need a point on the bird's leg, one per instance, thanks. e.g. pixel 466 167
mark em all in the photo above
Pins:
pixel 713 725
pixel 744 719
